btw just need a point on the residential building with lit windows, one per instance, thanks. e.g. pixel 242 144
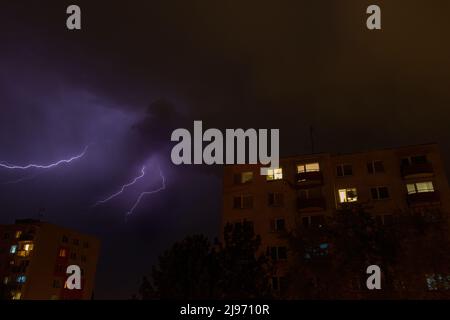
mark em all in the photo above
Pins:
pixel 34 257
pixel 307 188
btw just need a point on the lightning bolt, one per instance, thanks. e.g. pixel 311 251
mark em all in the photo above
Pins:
pixel 123 188
pixel 39 166
pixel 143 194
pixel 26 178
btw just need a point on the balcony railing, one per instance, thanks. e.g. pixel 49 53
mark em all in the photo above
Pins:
pixel 26 237
pixel 310 178
pixel 417 169
pixel 314 203
pixel 423 197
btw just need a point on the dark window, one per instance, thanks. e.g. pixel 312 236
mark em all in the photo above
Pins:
pixel 388 219
pixel 418 159
pixel 59 268
pixel 305 222
pixel 344 170
pixel 379 220
pixel 379 193
pixel 83 258
pixel 348 170
pixel 247 202
pixel 65 239
pixel 56 284
pixel 375 167
pixel 86 245
pixel 282 253
pixel 374 193
pixel 73 256
pixel 76 242
pixel 280 225
pixel 237 202
pixel 378 166
pixel 275 199
pixel 243 225
pixel 277 225
pixel 275 283
pixel 317 221
pixel 243 202
pixel 278 253
pixel 273 253
pixel 405 162
pixel 383 192
pixel 6 236
pixel 283 284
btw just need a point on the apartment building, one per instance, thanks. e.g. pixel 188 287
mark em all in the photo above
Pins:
pixel 307 188
pixel 34 256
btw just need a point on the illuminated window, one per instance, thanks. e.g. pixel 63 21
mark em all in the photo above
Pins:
pixel 375 167
pixel 379 193
pixel 17 296
pixel 28 247
pixel 62 253
pixel 5 280
pixel 308 167
pixel 419 187
pixel 343 170
pixel 13 249
pixel 21 279
pixel 243 177
pixel 348 195
pixel 18 234
pixel 274 174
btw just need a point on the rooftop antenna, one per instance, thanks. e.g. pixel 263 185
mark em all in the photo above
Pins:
pixel 311 137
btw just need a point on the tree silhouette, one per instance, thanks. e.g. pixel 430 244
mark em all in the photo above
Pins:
pixel 195 269
pixel 331 261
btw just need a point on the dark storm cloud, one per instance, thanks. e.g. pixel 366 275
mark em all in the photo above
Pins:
pixel 138 70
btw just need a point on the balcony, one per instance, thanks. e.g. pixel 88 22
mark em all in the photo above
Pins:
pixel 421 198
pixel 314 204
pixel 26 237
pixel 309 178
pixel 417 170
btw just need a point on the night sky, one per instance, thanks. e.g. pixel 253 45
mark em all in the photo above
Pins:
pixel 139 69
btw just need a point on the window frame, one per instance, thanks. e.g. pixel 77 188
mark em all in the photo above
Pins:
pixel 273 176
pixel 346 195
pixel 342 166
pixel 377 189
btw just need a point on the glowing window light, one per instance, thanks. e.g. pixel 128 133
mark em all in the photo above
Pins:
pixel 275 174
